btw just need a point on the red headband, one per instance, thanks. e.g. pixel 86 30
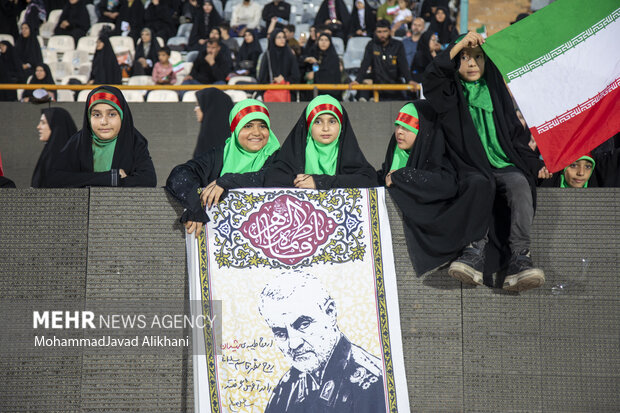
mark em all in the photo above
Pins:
pixel 104 96
pixel 241 114
pixel 409 120
pixel 321 108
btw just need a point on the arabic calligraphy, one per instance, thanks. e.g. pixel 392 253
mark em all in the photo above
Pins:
pixel 288 229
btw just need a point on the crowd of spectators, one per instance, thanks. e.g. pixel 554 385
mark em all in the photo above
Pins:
pixel 212 41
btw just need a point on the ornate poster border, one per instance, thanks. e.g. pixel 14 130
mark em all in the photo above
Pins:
pixel 377 256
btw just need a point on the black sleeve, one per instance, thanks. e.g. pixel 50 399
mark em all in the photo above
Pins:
pixel 607 169
pixel 83 22
pixel 143 172
pixel 246 180
pixel 64 178
pixel 365 178
pixel 222 68
pixel 184 182
pixel 439 84
pixel 293 74
pixel 426 186
pixel 361 73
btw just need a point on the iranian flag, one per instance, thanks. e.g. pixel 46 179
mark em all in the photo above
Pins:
pixel 562 65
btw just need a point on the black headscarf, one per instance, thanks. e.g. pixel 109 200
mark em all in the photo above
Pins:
pixel 443 89
pixel 29 50
pixel 281 60
pixel 423 56
pixel 250 52
pixel 9 12
pixel 63 128
pixel 73 167
pixel 342 14
pixel 434 205
pixel 105 68
pixel 446 30
pixel 47 80
pixel 370 19
pixel 214 128
pixel 352 168
pixel 202 25
pixel 329 65
pixel 152 55
pixel 35 15
pixel 12 63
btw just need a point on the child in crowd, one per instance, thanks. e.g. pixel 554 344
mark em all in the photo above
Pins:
pixel 163 72
pixel 403 18
pixel 486 138
pixel 321 152
pixel 107 151
pixel 240 163
pixel 423 183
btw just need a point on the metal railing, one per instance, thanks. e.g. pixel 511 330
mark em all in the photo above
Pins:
pixel 375 88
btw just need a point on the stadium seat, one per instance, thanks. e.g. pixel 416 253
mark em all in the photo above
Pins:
pixel 133 95
pixel 46 30
pixel 236 95
pixel 61 42
pixel 60 70
pixel 76 57
pixel 162 96
pixel 41 41
pixel 175 57
pixel 355 52
pixel 238 79
pixel 160 41
pixel 122 44
pixel 81 78
pixel 338 45
pixel 185 30
pixel 63 95
pixel 141 80
pixel 82 95
pixel 190 96
pixel 96 28
pixel 239 40
pixel 92 13
pixel 85 69
pixel 177 43
pixel 218 6
pixel 88 44
pixel 49 56
pixel 8 38
pixel 191 56
pixel 264 42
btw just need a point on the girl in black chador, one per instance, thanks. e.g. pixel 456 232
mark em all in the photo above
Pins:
pixel 321 152
pixel 108 150
pixel 487 139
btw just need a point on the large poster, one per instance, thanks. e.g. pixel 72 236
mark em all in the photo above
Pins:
pixel 305 286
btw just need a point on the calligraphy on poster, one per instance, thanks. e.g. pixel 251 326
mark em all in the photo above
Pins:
pixel 281 231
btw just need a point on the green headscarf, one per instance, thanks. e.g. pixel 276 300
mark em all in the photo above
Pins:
pixel 322 159
pixel 481 109
pixel 564 184
pixel 407 118
pixel 103 149
pixel 236 158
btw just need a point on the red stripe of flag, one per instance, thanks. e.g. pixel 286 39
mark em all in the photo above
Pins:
pixel 571 139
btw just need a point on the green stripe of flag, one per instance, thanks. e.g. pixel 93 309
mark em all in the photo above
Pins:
pixel 545 31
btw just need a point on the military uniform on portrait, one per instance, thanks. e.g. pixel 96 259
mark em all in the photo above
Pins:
pixel 352 382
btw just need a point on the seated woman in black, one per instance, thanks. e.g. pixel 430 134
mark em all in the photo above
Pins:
pixel 42 76
pixel 321 152
pixel 323 64
pixel 55 128
pixel 248 55
pixel 28 49
pixel 240 163
pixel 423 183
pixel 108 150
pixel 105 69
pixel 278 63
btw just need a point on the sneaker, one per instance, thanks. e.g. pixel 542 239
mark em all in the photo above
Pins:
pixel 521 274
pixel 469 267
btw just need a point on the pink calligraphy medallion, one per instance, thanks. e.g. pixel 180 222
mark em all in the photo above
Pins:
pixel 288 229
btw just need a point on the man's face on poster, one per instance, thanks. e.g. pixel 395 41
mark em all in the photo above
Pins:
pixel 305 331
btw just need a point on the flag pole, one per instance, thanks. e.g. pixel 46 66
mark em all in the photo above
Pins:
pixel 464 12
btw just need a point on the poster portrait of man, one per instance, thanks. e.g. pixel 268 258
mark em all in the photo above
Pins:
pixel 328 373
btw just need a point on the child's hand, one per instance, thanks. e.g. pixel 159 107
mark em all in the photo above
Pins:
pixel 472 39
